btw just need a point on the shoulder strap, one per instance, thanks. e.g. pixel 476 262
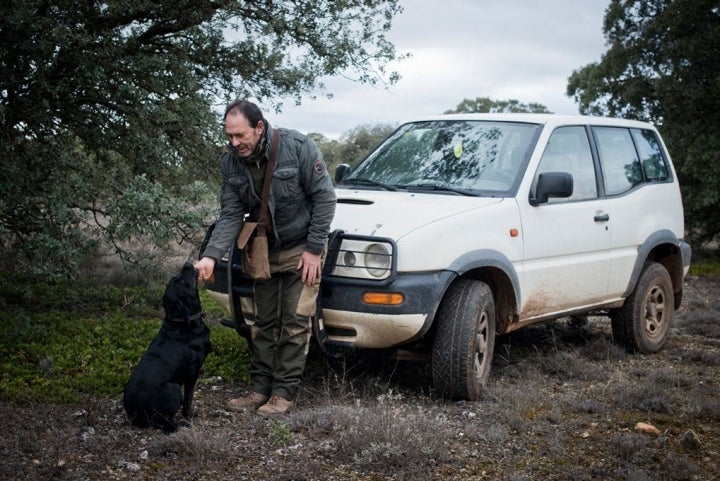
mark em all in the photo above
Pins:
pixel 264 221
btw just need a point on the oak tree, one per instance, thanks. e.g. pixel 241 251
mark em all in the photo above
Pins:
pixel 109 124
pixel 662 66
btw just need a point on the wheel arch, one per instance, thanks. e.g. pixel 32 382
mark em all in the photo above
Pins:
pixel 497 271
pixel 664 248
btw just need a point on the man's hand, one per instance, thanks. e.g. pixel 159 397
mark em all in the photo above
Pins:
pixel 310 264
pixel 205 268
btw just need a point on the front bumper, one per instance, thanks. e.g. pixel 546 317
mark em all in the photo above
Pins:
pixel 345 321
pixel 350 321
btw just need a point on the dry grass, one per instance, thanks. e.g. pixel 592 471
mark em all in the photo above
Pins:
pixel 561 404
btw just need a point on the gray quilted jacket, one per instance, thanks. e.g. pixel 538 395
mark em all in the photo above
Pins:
pixel 302 197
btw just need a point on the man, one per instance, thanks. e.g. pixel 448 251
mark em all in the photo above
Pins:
pixel 301 207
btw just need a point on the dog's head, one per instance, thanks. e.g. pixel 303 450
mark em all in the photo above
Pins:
pixel 181 300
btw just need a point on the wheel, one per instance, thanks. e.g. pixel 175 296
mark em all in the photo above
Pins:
pixel 643 322
pixel 464 340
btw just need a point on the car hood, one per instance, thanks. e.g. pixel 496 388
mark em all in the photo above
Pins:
pixel 396 214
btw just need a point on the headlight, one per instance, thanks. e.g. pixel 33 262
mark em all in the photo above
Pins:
pixel 378 260
pixel 363 259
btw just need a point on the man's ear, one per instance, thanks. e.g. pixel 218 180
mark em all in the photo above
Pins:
pixel 260 125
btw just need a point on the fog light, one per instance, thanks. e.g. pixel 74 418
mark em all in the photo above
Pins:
pixel 349 259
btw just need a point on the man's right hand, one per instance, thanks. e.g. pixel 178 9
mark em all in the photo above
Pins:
pixel 205 268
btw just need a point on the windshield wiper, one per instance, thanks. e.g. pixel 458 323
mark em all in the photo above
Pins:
pixel 364 181
pixel 441 188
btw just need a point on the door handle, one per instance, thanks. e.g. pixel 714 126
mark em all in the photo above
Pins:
pixel 602 217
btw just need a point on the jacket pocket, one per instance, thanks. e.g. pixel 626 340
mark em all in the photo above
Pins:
pixel 239 186
pixel 286 185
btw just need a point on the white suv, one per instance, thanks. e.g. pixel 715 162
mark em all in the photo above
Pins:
pixel 460 227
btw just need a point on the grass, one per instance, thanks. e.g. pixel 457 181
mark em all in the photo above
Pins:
pixel 62 341
pixel 561 403
pixel 705 264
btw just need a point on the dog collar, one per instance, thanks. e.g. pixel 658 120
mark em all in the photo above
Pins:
pixel 192 318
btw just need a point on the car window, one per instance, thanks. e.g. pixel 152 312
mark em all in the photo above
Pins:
pixel 654 164
pixel 619 160
pixel 568 150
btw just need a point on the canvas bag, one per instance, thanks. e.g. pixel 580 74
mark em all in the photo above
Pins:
pixel 253 235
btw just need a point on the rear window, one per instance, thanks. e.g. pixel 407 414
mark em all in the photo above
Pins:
pixel 652 159
pixel 629 157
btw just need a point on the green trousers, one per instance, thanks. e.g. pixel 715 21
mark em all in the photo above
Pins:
pixel 281 333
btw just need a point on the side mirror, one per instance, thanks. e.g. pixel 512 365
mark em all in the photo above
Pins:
pixel 341 171
pixel 552 184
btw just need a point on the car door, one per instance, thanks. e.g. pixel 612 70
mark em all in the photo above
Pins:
pixel 566 240
pixel 642 197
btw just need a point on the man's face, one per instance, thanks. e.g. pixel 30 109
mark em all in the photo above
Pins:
pixel 242 136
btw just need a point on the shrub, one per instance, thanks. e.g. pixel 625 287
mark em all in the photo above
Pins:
pixel 60 341
pixel 390 435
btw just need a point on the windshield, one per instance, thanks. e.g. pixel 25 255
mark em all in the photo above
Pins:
pixel 451 156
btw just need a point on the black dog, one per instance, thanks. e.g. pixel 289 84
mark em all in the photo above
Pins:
pixel 153 394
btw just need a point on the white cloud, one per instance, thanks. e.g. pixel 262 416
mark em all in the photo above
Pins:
pixel 514 49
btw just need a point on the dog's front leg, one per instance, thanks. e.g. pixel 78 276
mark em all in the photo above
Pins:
pixel 187 409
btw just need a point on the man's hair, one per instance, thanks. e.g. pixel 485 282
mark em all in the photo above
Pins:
pixel 247 109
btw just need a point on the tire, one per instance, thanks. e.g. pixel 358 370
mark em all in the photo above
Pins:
pixel 643 322
pixel 464 340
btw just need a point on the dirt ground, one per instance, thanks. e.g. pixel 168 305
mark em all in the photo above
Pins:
pixel 563 402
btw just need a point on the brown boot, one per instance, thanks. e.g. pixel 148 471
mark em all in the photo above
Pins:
pixel 275 406
pixel 250 401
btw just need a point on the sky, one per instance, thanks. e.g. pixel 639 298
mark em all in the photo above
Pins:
pixel 464 49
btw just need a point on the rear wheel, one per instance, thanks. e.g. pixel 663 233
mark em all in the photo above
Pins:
pixel 643 322
pixel 464 340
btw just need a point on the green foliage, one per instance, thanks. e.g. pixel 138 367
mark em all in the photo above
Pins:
pixel 146 210
pixel 58 357
pixel 705 268
pixel 108 123
pixel 353 146
pixel 230 357
pixel 482 105
pixel 661 66
pixel 34 294
pixel 212 309
pixel 280 434
pixel 60 341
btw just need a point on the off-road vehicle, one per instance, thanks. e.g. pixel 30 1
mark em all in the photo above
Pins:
pixel 458 228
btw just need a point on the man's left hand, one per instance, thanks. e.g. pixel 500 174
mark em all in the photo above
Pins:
pixel 311 267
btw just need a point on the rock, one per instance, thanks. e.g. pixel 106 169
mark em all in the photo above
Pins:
pixel 647 429
pixel 86 433
pixel 129 466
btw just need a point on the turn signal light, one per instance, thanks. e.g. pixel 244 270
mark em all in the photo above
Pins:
pixel 383 298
